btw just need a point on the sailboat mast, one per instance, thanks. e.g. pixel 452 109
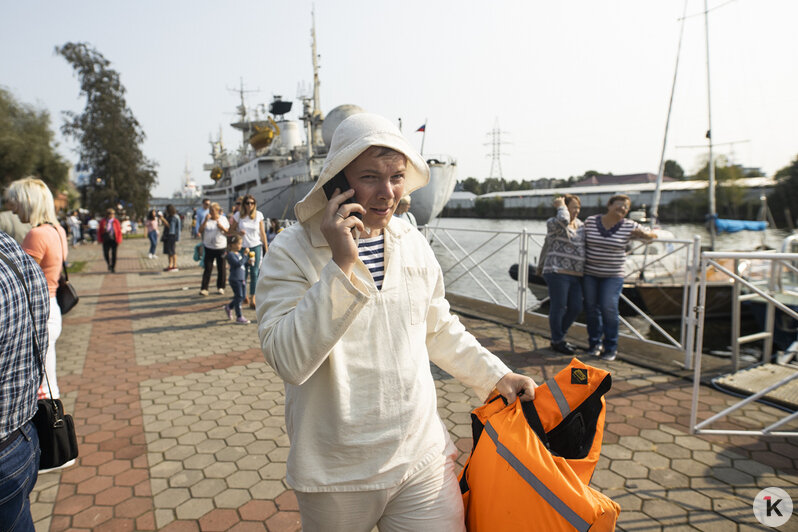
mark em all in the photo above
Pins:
pixel 711 163
pixel 661 171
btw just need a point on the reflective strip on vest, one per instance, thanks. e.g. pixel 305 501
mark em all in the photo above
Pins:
pixel 562 402
pixel 555 502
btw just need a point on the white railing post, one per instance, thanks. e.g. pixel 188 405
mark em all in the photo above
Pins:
pixel 523 274
pixel 735 316
pixel 699 345
pixel 770 316
pixel 689 316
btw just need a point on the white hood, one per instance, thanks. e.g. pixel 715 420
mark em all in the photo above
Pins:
pixel 351 138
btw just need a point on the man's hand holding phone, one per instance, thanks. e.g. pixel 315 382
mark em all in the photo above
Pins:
pixel 339 223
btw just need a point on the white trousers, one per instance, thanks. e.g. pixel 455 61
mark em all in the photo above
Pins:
pixel 429 500
pixel 53 331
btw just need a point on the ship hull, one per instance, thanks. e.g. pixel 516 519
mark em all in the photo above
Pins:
pixel 428 202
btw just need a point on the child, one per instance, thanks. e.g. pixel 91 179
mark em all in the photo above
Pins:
pixel 237 278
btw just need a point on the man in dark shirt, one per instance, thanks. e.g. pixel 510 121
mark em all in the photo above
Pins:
pixel 20 376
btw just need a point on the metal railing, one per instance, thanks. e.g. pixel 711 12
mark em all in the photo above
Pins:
pixel 764 289
pixel 476 262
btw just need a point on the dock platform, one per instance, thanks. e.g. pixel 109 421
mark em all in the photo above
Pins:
pixel 180 420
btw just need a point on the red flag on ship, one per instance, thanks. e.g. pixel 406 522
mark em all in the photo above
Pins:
pixel 422 128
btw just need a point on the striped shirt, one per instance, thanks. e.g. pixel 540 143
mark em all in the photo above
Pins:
pixel 21 371
pixel 372 253
pixel 605 249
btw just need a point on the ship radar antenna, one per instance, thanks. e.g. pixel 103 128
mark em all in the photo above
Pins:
pixel 241 108
pixel 495 155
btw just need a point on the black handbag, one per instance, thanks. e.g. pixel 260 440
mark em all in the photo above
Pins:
pixel 65 295
pixel 57 439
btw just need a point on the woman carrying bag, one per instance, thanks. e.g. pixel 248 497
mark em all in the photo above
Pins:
pixel 214 239
pixel 31 200
pixel 171 235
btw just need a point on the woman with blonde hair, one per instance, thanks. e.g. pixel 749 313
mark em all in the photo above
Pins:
pixel 248 222
pixel 31 200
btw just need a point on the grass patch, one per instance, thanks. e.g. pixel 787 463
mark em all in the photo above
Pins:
pixel 130 236
pixel 76 266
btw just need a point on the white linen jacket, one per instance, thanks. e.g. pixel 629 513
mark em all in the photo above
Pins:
pixel 361 404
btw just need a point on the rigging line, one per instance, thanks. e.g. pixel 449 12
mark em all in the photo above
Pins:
pixel 707 11
pixel 661 172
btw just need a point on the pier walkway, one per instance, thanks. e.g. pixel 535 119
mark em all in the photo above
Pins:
pixel 180 421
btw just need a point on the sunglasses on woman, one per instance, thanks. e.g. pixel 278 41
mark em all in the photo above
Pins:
pixel 249 203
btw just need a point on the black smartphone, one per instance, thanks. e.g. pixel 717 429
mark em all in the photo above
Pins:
pixel 340 182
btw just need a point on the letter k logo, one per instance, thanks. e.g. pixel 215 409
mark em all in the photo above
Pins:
pixel 772 506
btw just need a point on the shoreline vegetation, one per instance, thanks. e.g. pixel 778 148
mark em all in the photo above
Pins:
pixel 732 200
pixel 681 211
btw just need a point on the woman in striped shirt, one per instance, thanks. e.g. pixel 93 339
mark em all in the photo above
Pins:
pixel 606 237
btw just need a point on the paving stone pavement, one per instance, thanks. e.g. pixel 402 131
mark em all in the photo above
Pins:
pixel 180 421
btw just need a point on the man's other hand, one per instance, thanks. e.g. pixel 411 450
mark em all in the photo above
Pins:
pixel 513 385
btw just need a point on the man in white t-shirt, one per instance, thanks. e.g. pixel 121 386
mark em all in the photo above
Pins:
pixel 93 226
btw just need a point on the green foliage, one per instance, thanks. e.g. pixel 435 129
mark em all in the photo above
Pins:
pixel 489 207
pixel 27 146
pixel 723 171
pixel 472 185
pixel 729 197
pixel 783 201
pixel 786 172
pixel 109 135
pixel 754 172
pixel 76 266
pixel 672 169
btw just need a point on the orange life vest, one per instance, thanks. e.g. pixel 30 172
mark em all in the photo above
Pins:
pixel 532 461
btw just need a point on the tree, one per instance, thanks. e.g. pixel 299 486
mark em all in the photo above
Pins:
pixel 472 185
pixel 785 196
pixel 27 146
pixel 108 134
pixel 729 197
pixel 672 169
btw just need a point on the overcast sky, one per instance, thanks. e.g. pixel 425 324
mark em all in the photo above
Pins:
pixel 574 85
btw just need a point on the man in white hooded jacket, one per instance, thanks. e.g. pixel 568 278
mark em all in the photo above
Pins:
pixel 350 313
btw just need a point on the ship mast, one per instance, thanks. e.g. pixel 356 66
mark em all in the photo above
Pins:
pixel 315 137
pixel 316 82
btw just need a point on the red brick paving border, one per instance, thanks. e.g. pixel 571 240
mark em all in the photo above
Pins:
pixel 109 488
